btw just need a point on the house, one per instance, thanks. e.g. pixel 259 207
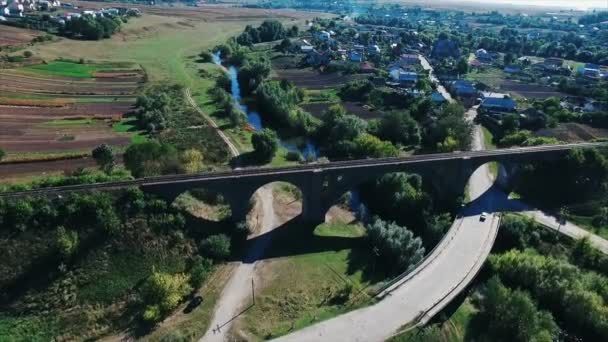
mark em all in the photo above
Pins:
pixel 445 48
pixel 324 36
pixel 484 56
pixel 512 69
pixel 407 79
pixel 373 49
pixel 553 63
pixel 595 106
pixel 367 68
pixel 408 60
pixel 498 105
pixel 590 70
pixel 355 56
pixel 306 48
pixel 463 88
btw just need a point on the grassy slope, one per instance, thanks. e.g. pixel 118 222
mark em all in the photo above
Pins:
pixel 299 287
pixel 455 329
pixel 488 141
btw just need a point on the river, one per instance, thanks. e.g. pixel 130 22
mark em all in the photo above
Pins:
pixel 304 146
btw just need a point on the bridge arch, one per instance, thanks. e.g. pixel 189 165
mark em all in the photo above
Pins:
pixel 273 204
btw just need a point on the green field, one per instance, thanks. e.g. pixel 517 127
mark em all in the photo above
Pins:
pixel 65 68
pixel 304 287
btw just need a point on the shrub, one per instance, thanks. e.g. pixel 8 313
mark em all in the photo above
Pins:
pixel 216 246
pixel 27 54
pixel 199 272
pixel 162 292
pixel 294 156
pixel 104 157
pixel 67 241
pixel 2 154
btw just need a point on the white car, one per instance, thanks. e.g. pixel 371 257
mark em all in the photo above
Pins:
pixel 483 217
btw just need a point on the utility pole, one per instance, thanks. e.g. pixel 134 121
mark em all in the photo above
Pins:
pixel 252 291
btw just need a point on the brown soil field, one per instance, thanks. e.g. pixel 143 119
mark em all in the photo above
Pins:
pixel 10 171
pixel 312 79
pixel 318 108
pixel 573 132
pixel 10 36
pixel 205 12
pixel 26 129
pixel 93 109
pixel 529 90
pixel 63 86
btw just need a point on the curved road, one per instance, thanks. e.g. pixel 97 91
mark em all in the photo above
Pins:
pixel 431 286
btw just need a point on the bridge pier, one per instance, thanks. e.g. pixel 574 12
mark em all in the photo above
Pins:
pixel 312 205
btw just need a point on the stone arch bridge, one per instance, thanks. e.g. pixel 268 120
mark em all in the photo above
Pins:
pixel 323 184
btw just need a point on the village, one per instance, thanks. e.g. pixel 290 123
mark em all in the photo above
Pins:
pixel 424 62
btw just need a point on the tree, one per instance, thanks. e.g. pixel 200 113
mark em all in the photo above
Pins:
pixel 399 128
pixel 104 157
pixel 216 246
pixel 265 144
pixel 398 248
pixel 369 146
pixel 162 292
pixel 2 154
pixel 463 66
pixel 512 315
pixel 285 45
pixel 508 58
pixel 199 272
pixel 192 161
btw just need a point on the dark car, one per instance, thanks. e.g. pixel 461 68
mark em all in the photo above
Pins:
pixel 196 301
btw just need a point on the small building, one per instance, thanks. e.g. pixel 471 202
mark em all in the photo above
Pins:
pixel 324 36
pixel 407 60
pixel 355 56
pixel 407 79
pixel 367 68
pixel 553 63
pixel 498 105
pixel 306 48
pixel 484 56
pixel 373 49
pixel 463 88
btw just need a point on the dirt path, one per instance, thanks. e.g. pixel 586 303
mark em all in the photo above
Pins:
pixel 233 150
pixel 236 296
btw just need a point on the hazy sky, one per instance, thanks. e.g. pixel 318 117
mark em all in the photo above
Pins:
pixel 578 4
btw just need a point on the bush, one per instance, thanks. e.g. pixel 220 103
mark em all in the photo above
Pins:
pixel 199 272
pixel 2 154
pixel 151 158
pixel 162 292
pixel 397 247
pixel 216 246
pixel 27 54
pixel 67 241
pixel 206 57
pixel 294 156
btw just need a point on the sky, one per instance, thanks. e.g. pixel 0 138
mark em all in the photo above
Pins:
pixel 574 4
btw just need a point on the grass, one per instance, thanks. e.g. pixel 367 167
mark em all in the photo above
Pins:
pixel 303 287
pixel 68 123
pixel 65 68
pixel 490 76
pixel 28 328
pixel 488 141
pixel 454 329
pixel 585 223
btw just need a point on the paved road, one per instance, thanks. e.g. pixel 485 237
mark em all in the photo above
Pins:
pixel 236 296
pixel 440 88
